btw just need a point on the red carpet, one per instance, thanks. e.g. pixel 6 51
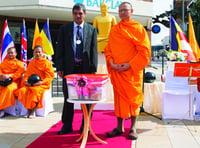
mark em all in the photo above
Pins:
pixel 102 122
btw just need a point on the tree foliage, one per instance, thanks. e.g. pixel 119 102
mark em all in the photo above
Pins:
pixel 194 10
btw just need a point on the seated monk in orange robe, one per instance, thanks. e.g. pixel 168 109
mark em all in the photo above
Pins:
pixel 127 54
pixel 31 96
pixel 10 68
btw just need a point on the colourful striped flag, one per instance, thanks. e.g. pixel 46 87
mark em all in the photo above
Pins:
pixel 173 32
pixel 178 40
pixel 6 42
pixel 37 40
pixel 192 39
pixel 24 44
pixel 46 39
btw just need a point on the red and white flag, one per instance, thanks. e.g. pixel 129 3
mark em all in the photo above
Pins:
pixel 6 42
pixel 179 41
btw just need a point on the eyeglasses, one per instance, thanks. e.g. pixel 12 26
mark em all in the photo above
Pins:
pixel 75 13
pixel 124 10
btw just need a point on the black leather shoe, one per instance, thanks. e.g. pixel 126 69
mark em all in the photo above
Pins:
pixel 81 129
pixel 63 132
pixel 115 132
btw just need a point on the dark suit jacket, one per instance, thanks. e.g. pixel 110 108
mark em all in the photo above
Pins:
pixel 65 49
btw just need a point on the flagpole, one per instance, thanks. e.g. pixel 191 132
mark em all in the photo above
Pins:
pixel 183 22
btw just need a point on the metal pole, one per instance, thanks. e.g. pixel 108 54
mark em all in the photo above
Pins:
pixel 163 63
pixel 183 22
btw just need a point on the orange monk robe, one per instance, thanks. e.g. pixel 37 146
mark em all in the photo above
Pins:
pixel 16 69
pixel 128 43
pixel 30 95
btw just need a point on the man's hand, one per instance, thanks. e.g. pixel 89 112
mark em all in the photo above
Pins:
pixel 60 74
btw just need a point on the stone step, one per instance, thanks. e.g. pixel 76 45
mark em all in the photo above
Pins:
pixel 55 88
pixel 57 94
pixel 57 82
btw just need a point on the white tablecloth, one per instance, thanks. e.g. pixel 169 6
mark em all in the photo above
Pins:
pixel 102 69
pixel 153 97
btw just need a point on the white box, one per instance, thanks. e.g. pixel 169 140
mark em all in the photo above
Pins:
pixel 87 86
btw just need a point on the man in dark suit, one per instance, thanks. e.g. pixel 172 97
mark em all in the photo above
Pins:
pixel 76 53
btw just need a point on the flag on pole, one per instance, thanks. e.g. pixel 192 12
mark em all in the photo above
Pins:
pixel 46 39
pixel 6 42
pixel 178 40
pixel 24 44
pixel 173 33
pixel 192 40
pixel 37 40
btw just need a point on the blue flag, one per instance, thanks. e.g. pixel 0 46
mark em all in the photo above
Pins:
pixel 173 33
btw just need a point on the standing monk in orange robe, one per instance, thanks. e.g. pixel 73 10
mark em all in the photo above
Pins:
pixel 10 68
pixel 127 54
pixel 31 96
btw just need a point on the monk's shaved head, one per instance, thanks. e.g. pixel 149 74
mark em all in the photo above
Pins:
pixel 38 46
pixel 126 3
pixel 11 53
pixel 12 48
pixel 38 52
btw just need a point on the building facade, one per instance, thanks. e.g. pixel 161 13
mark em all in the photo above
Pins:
pixel 60 12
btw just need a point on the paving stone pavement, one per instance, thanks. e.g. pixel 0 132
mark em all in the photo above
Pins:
pixel 18 132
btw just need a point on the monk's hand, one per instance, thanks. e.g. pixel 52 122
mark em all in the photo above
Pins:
pixel 123 67
pixel 114 66
pixel 60 74
pixel 4 77
pixel 38 83
pixel 1 77
pixel 26 83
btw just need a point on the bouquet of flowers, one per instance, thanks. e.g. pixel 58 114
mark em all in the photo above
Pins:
pixel 176 55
